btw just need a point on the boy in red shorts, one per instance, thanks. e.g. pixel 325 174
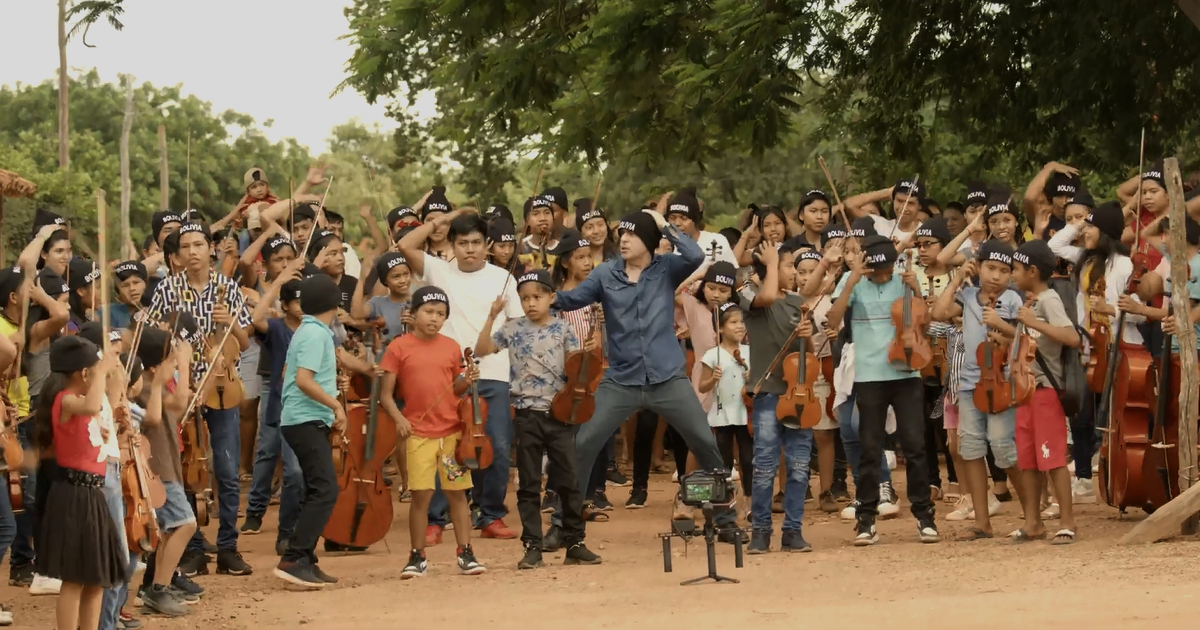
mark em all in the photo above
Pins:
pixel 424 369
pixel 1041 433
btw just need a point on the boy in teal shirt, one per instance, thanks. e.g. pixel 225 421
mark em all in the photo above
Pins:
pixel 870 306
pixel 310 410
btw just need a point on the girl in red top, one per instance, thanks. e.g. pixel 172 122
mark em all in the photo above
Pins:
pixel 80 542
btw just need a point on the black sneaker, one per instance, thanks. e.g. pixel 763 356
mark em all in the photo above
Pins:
pixel 230 562
pixel 828 503
pixel 323 576
pixel 181 582
pixel 760 543
pixel 730 535
pixel 467 564
pixel 532 558
pixel 777 503
pixel 553 540
pixel 161 601
pixel 193 563
pixel 549 502
pixel 580 554
pixel 866 534
pixel 600 500
pixel 793 541
pixel 615 477
pixel 20 575
pixel 416 567
pixel 208 547
pixel 252 524
pixel 299 573
pixel 637 499
pixel 841 493
pixel 281 547
pixel 927 530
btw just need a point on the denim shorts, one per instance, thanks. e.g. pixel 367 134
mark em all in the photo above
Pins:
pixel 176 511
pixel 978 430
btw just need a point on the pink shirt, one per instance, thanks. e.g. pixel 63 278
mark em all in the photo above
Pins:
pixel 699 321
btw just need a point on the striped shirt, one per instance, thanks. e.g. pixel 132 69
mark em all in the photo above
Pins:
pixel 175 294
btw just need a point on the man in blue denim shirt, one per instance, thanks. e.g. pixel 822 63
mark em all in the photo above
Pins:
pixel 645 361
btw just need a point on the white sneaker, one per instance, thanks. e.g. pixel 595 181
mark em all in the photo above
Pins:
pixel 889 505
pixel 1082 491
pixel 850 512
pixel 43 585
pixel 891 459
pixel 1052 512
pixel 994 505
pixel 6 618
pixel 675 477
pixel 962 510
pixel 1096 463
pixel 734 476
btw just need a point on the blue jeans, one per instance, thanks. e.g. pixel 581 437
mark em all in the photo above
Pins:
pixel 490 485
pixel 22 545
pixel 114 597
pixel 847 414
pixel 8 524
pixel 223 433
pixel 769 436
pixel 271 446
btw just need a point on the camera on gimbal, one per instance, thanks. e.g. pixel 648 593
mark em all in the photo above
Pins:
pixel 705 486
pixel 706 490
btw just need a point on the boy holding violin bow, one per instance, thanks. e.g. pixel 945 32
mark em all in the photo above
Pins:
pixel 985 413
pixel 538 345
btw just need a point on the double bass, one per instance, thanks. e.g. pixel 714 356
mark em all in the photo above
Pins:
pixel 798 406
pixel 474 449
pixel 362 515
pixel 576 402
pixel 910 350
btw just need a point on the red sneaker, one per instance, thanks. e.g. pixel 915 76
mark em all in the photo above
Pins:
pixel 433 535
pixel 497 529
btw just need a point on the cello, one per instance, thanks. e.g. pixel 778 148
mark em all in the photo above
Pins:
pixel 1125 402
pixel 575 402
pixel 362 515
pixel 798 407
pixel 474 450
pixel 910 349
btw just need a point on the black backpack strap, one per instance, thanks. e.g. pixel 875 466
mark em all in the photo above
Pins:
pixel 1041 361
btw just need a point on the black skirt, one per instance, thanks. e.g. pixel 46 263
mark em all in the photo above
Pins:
pixel 79 541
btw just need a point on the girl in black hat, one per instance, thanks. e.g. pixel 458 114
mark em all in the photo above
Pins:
pixel 79 539
pixel 502 247
pixel 593 225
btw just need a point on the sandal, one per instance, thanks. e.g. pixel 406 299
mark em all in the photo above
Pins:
pixel 1063 537
pixel 593 515
pixel 1052 512
pixel 974 533
pixel 406 496
pixel 1020 536
pixel 1004 497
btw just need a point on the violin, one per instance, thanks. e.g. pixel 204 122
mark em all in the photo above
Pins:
pixel 141 490
pixel 910 350
pixel 196 472
pixel 575 402
pixel 1022 355
pixel 993 393
pixel 225 388
pixel 746 399
pixel 1098 341
pixel 798 407
pixel 10 446
pixel 475 448
pixel 362 515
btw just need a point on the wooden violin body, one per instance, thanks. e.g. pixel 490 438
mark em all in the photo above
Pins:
pixel 362 515
pixel 1021 380
pixel 225 389
pixel 1129 464
pixel 142 492
pixel 474 449
pixel 937 363
pixel 1098 339
pixel 993 393
pixel 197 473
pixel 799 407
pixel 910 349
pixel 576 401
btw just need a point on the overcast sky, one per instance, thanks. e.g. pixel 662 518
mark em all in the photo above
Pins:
pixel 232 53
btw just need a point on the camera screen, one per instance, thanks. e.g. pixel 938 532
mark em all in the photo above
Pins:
pixel 700 492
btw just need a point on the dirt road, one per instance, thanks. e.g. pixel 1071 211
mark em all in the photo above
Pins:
pixel 897 584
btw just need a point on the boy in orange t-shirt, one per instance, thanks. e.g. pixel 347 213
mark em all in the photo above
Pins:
pixel 424 369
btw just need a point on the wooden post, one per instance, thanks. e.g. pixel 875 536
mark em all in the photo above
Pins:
pixel 164 188
pixel 126 185
pixel 101 211
pixel 1189 381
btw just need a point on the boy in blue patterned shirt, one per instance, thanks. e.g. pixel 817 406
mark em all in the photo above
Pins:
pixel 537 346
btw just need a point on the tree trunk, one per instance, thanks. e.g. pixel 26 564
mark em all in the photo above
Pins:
pixel 164 189
pixel 1188 384
pixel 126 186
pixel 64 144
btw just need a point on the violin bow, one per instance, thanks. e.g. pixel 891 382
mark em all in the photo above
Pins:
pixel 320 216
pixel 713 250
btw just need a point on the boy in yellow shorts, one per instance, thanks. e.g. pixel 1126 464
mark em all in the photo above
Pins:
pixel 425 370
